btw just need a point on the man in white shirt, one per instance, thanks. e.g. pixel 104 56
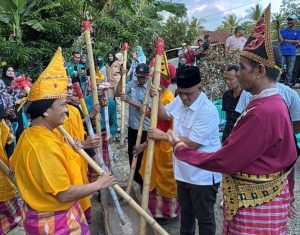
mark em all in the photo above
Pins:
pixel 290 97
pixel 236 41
pixel 196 120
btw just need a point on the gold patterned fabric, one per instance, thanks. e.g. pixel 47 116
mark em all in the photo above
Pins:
pixel 259 45
pixel 244 190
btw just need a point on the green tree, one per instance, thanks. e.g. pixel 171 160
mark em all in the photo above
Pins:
pixel 194 29
pixel 289 7
pixel 17 13
pixel 114 22
pixel 254 13
pixel 175 31
pixel 229 23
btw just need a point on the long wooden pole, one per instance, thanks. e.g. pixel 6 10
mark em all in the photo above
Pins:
pixel 91 133
pixel 123 106
pixel 128 199
pixel 138 140
pixel 159 50
pixel 4 168
pixel 87 33
pixel 107 128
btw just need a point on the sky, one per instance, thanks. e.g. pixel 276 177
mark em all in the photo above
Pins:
pixel 213 11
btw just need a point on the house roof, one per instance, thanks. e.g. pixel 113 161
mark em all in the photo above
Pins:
pixel 216 37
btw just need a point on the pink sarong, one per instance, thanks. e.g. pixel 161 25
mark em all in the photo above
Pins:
pixel 10 215
pixel 162 207
pixel 67 222
pixel 267 219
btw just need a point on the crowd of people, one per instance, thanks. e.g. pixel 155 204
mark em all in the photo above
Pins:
pixel 254 160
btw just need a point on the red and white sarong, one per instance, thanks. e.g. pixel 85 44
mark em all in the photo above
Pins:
pixel 268 219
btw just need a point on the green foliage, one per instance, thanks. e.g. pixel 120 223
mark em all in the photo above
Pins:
pixel 288 7
pixel 42 25
pixel 229 23
pixel 254 13
pixel 179 30
pixel 18 13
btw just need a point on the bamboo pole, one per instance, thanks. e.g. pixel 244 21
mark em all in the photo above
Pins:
pixel 4 168
pixel 159 50
pixel 138 139
pixel 128 199
pixel 107 127
pixel 87 33
pixel 91 133
pixel 123 107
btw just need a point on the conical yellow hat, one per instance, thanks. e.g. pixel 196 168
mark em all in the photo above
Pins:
pixel 52 83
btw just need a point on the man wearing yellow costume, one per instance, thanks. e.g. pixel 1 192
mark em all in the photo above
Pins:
pixel 47 171
pixel 73 124
pixel 10 212
pixel 163 203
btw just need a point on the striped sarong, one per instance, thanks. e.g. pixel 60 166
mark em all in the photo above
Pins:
pixel 67 222
pixel 162 207
pixel 268 219
pixel 10 215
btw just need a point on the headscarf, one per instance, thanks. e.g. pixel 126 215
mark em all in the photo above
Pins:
pixel 6 79
pixel 120 57
pixel 141 55
pixel 114 58
pixel 100 61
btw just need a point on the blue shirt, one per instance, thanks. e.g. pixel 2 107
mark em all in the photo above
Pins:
pixel 112 114
pixel 288 48
pixel 137 93
pixel 289 95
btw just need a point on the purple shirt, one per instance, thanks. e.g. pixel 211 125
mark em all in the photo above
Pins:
pixel 262 142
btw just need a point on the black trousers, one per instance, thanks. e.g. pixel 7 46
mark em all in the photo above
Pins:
pixel 197 201
pixel 296 72
pixel 132 136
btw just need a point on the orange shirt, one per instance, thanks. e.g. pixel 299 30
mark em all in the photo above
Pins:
pixel 44 166
pixel 73 124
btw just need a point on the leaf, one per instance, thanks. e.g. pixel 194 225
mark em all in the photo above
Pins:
pixel 35 24
pixel 9 6
pixel 5 20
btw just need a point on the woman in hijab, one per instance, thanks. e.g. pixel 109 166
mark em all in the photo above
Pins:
pixel 8 75
pixel 137 57
pixel 113 71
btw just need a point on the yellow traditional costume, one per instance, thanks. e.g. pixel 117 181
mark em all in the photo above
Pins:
pixel 73 124
pixel 45 166
pixel 163 189
pixel 10 212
